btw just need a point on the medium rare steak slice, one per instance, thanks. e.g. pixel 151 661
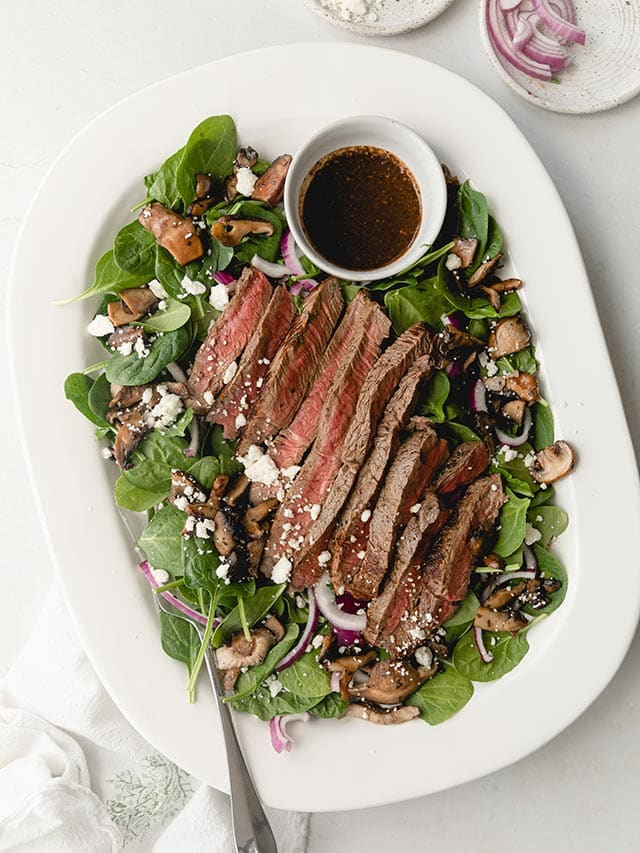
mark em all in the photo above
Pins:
pixel 292 443
pixel 385 611
pixel 294 365
pixel 351 533
pixel 418 458
pixel 448 566
pixel 465 465
pixel 240 395
pixel 302 504
pixel 230 334
pixel 375 394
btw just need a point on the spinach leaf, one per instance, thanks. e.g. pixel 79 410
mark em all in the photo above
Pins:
pixel 513 525
pixel 542 497
pixel 543 427
pixel 523 361
pixel 442 696
pixel 168 449
pixel 199 563
pixel 473 219
pixel 515 473
pixel 267 247
pixel 170 274
pixel 495 240
pixel 131 370
pixel 414 304
pixel 461 620
pixel 77 387
pixel 330 708
pixel 219 259
pixel 479 308
pixel 210 149
pixel 507 653
pixel 460 432
pixel 161 540
pixel 255 609
pixel 264 706
pixel 142 486
pixel 255 675
pixel 175 315
pixel 551 521
pixel 436 395
pixel 179 639
pixel 550 567
pixel 134 250
pixel 410 274
pixel 162 186
pixel 100 397
pixel 306 677
pixel 224 451
pixel 109 278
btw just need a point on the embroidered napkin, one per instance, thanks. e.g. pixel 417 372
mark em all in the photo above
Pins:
pixel 75 776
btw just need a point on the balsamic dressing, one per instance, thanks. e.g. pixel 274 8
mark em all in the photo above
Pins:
pixel 360 207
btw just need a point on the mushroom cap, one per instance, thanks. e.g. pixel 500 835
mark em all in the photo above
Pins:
pixel 384 718
pixel 508 336
pixel 553 462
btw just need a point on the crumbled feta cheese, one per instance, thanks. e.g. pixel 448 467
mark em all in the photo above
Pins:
pixel 259 467
pixel 141 349
pixel 164 412
pixel 160 576
pixel 195 288
pixel 324 557
pixel 157 289
pixel 317 641
pixel 245 181
pixel 100 325
pixel 147 394
pixel 219 297
pixel 291 472
pixel 361 555
pixel 508 453
pixel 532 535
pixel 107 453
pixel 417 633
pixel 162 305
pixel 281 571
pixel 126 348
pixel 181 503
pixel 208 398
pixel 529 459
pixel 223 570
pixel 274 685
pixel 190 524
pixel 424 656
pixel 314 512
pixel 453 262
pixel 204 527
pixel 230 372
pixel 366 515
pixel 415 509
pixel 241 421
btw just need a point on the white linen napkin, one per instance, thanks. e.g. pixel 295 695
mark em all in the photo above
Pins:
pixel 75 776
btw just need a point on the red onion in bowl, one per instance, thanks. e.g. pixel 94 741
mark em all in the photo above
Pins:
pixel 517 440
pixel 501 40
pixel 562 27
pixel 305 638
pixel 478 639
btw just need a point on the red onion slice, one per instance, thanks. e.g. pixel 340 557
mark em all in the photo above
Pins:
pixel 288 250
pixel 335 682
pixel 508 5
pixel 145 568
pixel 222 277
pixel 303 285
pixel 194 444
pixel 560 26
pixel 507 577
pixel 453 369
pixel 501 40
pixel 330 610
pixel 176 372
pixel 478 639
pixel 280 739
pixel 478 397
pixel 517 440
pixel 530 562
pixel 305 638
pixel 452 320
pixel 272 270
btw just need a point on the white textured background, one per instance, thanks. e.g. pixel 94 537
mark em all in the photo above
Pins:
pixel 62 63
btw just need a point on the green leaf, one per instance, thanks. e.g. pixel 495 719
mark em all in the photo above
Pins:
pixel 219 259
pixel 513 525
pixel 330 708
pixel 551 521
pixel 523 361
pixel 210 149
pixel 255 609
pixel 461 620
pixel 442 696
pixel 205 470
pixel 411 272
pixel 507 653
pixel 543 427
pixel 175 315
pixel 134 250
pixel 170 274
pixel 100 397
pixel 168 449
pixel 495 241
pixel 425 303
pixel 267 247
pixel 435 397
pixel 255 675
pixel 109 278
pixel 306 677
pixel 161 540
pixel 460 432
pixel 77 388
pixel 162 186
pixel 179 639
pixel 143 486
pixel 473 220
pixel 550 567
pixel 199 563
pixel 132 370
pixel 262 705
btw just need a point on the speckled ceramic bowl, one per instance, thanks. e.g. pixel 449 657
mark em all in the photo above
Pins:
pixel 384 18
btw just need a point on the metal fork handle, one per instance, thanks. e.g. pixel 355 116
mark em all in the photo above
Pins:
pixel 251 828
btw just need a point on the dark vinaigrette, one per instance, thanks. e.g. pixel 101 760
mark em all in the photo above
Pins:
pixel 360 207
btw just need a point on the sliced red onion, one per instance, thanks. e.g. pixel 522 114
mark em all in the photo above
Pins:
pixel 478 639
pixel 451 320
pixel 194 444
pixel 335 682
pixel 530 562
pixel 222 277
pixel 303 285
pixel 517 440
pixel 272 270
pixel 521 33
pixel 454 369
pixel 280 740
pixel 179 605
pixel 553 57
pixel 330 610
pixel 501 40
pixel 564 8
pixel 507 577
pixel 176 371
pixel 288 249
pixel 305 638
pixel 478 397
pixel 559 25
pixel 508 5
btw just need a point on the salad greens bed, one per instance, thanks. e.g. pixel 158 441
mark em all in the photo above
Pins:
pixel 186 567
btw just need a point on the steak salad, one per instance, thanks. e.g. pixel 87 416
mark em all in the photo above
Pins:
pixel 349 486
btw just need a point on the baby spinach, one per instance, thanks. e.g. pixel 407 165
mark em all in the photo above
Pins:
pixel 170 274
pixel 169 449
pixel 264 706
pixel 330 708
pixel 411 274
pixel 175 315
pixel 134 250
pixel 543 427
pixel 77 388
pixel 219 259
pixel 199 563
pixel 515 473
pixel 461 620
pixel 179 639
pixel 267 247
pixel 162 186
pixel 255 675
pixel 550 567
pixel 161 540
pixel 100 397
pixel 551 521
pixel 442 696
pixel 210 149
pixel 542 497
pixel 512 524
pixel 507 653
pixel 306 677
pixel 459 432
pixel 473 219
pixel 205 470
pixel 523 361
pixel 255 608
pixel 132 370
pixel 423 303
pixel 143 486
pixel 435 397
pixel 109 278
pixel 495 240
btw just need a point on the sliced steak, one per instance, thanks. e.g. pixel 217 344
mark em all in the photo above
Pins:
pixel 465 465
pixel 409 474
pixel 230 333
pixel 294 365
pixel 302 505
pixel 292 443
pixel 447 568
pixel 385 611
pixel 352 530
pixel 240 395
pixel 375 394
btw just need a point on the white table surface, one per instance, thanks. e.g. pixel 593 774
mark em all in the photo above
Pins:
pixel 62 63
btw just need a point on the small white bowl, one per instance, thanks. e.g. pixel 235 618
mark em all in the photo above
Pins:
pixel 391 136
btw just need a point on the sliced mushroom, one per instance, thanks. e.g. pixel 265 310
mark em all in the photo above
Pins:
pixel 484 270
pixel 351 663
pixel 224 533
pixel 126 335
pixel 177 234
pixel 270 187
pixel 200 206
pixel 254 554
pixel 204 185
pixel 274 626
pixel 493 296
pixel 184 490
pixel 524 386
pixel 237 490
pixel 219 486
pixel 502 620
pixel 390 682
pixel 452 342
pixel 126 396
pixel 246 158
pixel 139 300
pixel 229 231
pixel 465 249
pixel 253 529
pixel 553 462
pixel 504 595
pixel 119 314
pixel 508 336
pixel 241 652
pixel 493 561
pixel 131 431
pixel 363 711
pixel 514 410
pixel 262 510
pixel 507 285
